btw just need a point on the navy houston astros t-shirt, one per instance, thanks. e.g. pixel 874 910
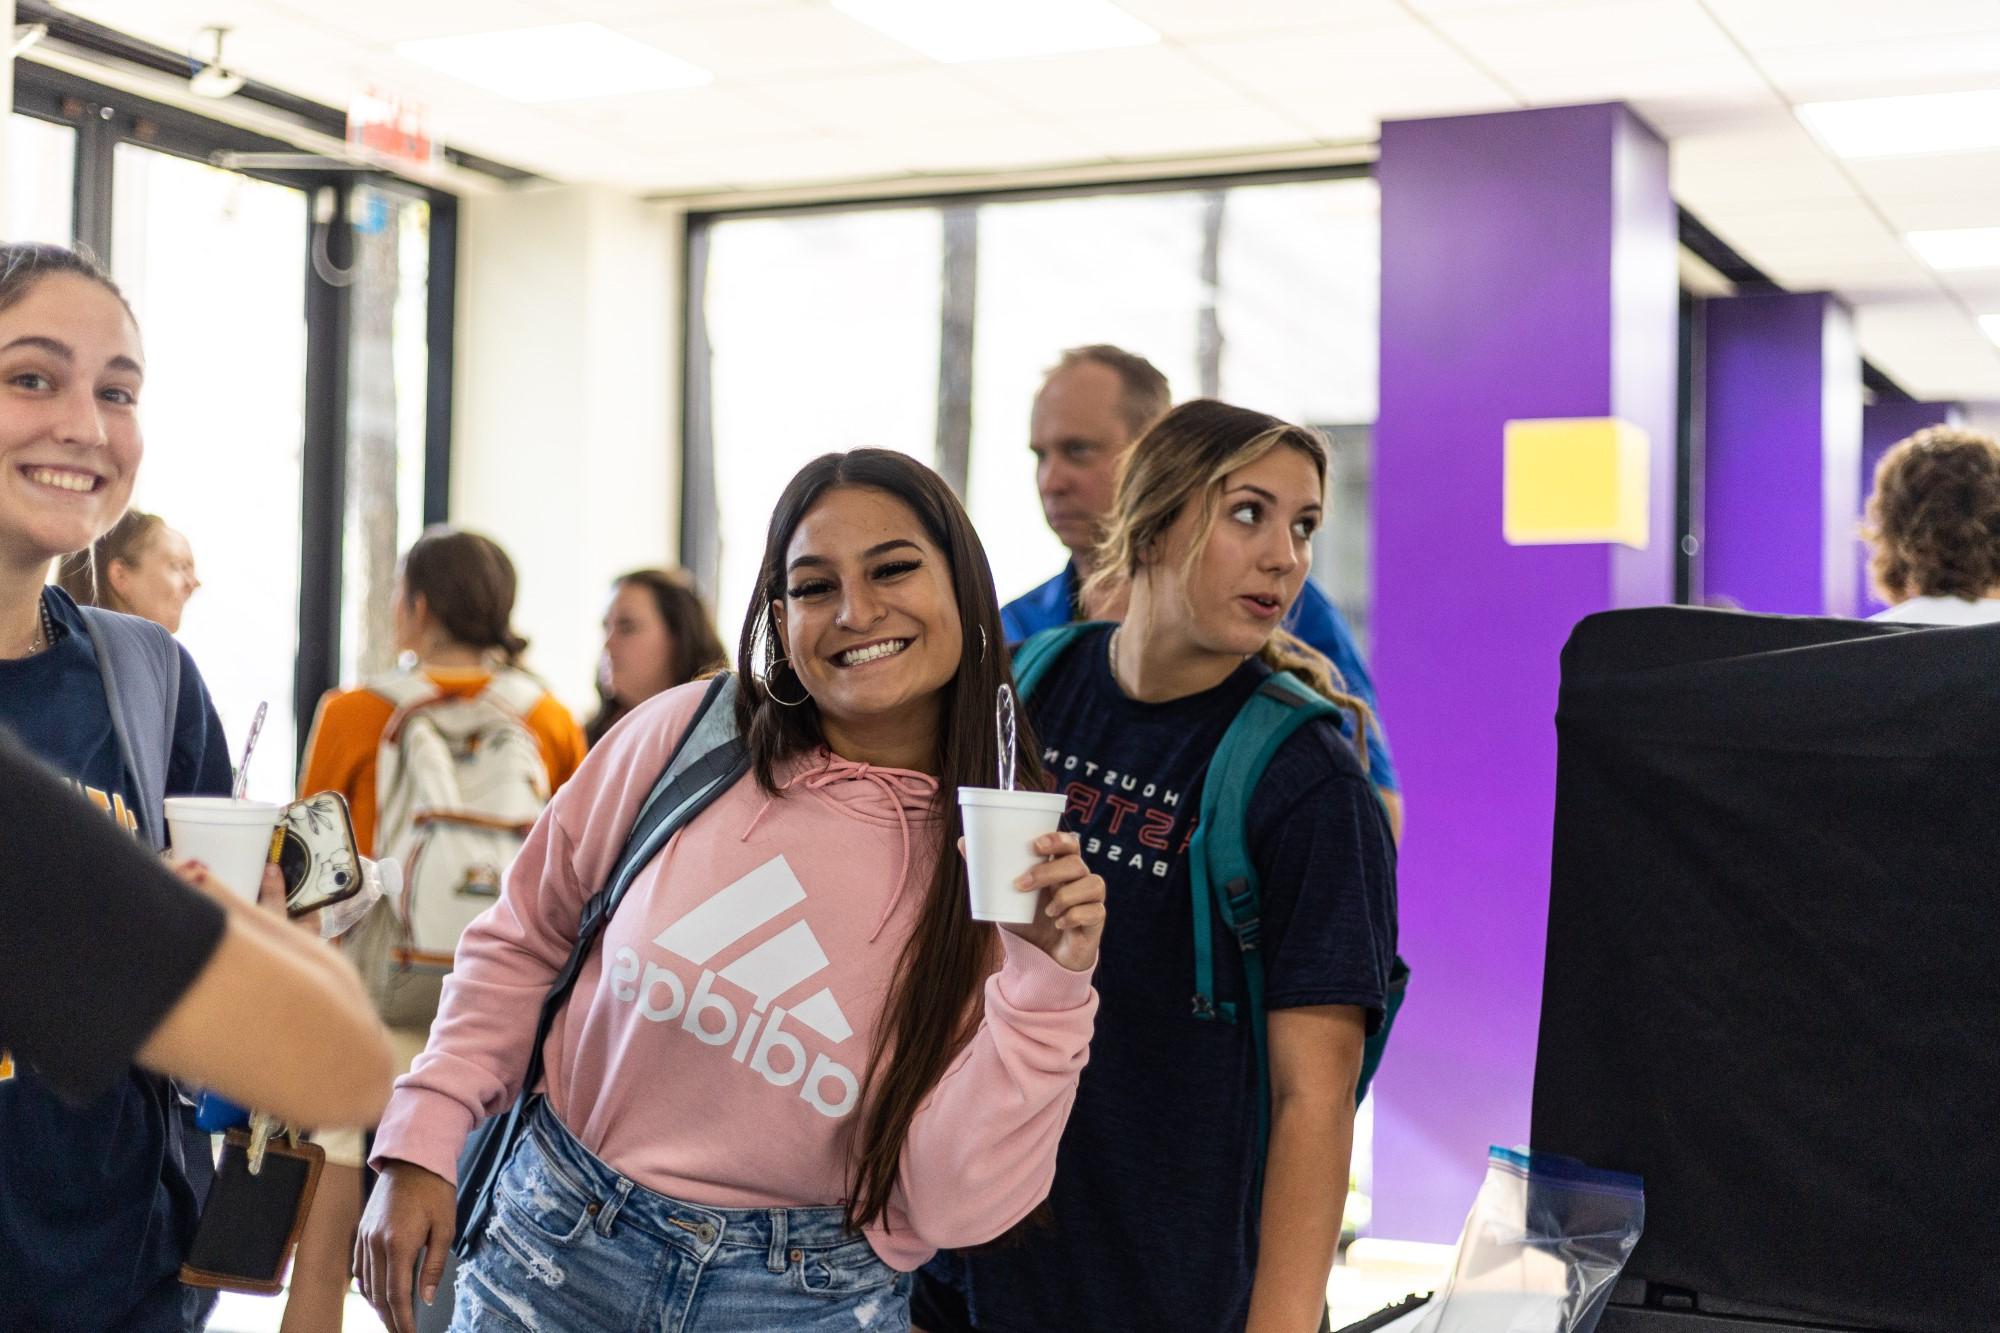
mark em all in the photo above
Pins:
pixel 1155 1222
pixel 95 1211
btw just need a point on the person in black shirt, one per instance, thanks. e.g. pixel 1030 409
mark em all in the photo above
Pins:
pixel 1158 1218
pixel 107 959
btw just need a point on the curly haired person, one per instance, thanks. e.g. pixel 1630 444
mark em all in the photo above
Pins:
pixel 1933 524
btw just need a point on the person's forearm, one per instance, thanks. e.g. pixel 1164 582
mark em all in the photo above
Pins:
pixel 277 1021
pixel 1392 810
pixel 1305 1192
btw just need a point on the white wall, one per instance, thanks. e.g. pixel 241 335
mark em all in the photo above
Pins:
pixel 565 439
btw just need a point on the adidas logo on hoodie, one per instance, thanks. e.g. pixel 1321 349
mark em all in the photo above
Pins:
pixel 782 963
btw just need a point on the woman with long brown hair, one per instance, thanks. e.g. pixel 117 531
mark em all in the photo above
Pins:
pixel 796 1066
pixel 1208 544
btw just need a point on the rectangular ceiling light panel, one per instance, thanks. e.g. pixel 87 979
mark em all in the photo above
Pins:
pixel 960 31
pixel 1991 323
pixel 1905 126
pixel 1958 247
pixel 560 63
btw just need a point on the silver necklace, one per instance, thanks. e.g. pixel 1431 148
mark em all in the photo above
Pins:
pixel 45 629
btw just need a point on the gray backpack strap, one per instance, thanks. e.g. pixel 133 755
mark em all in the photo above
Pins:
pixel 141 667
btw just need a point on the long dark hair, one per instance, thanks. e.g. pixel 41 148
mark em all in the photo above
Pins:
pixel 695 646
pixel 468 583
pixel 933 1004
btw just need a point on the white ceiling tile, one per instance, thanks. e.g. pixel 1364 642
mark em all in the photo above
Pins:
pixel 1769 159
pixel 754 44
pixel 1677 115
pixel 687 115
pixel 1342 84
pixel 1970 176
pixel 383 23
pixel 620 11
pixel 1771 25
pixel 1939 212
pixel 1822 234
pixel 880 103
pixel 1088 84
pixel 826 157
pixel 1964 62
pixel 1932 347
pixel 1171 131
pixel 1978 288
pixel 1208 18
pixel 1858 283
pixel 1439 8
pixel 1629 33
pixel 974 148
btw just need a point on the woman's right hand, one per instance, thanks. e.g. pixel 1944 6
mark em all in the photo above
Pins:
pixel 410 1210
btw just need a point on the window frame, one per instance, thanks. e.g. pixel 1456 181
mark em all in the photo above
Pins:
pixel 103 118
pixel 700 517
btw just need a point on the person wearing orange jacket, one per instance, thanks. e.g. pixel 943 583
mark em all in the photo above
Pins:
pixel 453 611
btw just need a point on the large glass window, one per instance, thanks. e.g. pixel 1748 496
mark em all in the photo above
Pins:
pixel 1297 300
pixel 388 374
pixel 41 167
pixel 1123 269
pixel 823 335
pixel 1265 293
pixel 211 263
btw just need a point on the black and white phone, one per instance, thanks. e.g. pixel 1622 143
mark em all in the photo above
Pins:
pixel 315 850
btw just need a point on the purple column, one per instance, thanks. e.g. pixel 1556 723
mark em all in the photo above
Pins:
pixel 1528 270
pixel 1882 425
pixel 1783 460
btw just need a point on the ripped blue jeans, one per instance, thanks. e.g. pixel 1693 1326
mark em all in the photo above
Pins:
pixel 571 1246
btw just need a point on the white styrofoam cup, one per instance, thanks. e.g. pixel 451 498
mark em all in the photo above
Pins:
pixel 231 838
pixel 1000 832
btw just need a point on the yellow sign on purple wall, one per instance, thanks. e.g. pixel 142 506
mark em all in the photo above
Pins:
pixel 1575 481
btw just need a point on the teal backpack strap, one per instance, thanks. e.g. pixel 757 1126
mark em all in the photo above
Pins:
pixel 1038 652
pixel 1222 877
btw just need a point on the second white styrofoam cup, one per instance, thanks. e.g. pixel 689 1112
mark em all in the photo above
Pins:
pixel 231 838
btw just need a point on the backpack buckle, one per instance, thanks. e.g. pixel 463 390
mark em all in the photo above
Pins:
pixel 1203 1006
pixel 1244 922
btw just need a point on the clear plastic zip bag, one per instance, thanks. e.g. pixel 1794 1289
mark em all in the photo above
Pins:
pixel 1545 1240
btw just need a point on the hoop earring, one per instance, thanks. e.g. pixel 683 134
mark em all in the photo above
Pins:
pixel 773 694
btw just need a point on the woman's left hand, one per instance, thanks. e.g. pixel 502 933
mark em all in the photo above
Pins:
pixel 1071 919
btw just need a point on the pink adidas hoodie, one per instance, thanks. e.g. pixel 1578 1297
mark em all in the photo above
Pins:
pixel 717 1039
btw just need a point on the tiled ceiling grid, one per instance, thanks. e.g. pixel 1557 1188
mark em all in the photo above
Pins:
pixel 802 94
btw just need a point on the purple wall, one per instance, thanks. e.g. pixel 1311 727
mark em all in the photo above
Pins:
pixel 1882 425
pixel 1783 454
pixel 1528 270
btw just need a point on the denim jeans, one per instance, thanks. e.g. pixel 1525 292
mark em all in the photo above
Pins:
pixel 571 1246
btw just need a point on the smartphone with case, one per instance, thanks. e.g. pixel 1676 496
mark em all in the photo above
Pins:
pixel 315 851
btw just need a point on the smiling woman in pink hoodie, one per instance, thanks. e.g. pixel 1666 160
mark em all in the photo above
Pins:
pixel 795 1067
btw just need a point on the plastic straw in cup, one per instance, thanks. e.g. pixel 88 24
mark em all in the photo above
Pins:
pixel 1008 732
pixel 243 769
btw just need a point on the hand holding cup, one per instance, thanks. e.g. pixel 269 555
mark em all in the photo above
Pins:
pixel 1070 921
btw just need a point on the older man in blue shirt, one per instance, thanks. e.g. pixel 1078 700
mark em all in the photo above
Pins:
pixel 1094 406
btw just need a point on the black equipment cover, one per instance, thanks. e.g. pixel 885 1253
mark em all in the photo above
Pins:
pixel 1773 971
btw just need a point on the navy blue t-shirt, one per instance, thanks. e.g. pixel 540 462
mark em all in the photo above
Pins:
pixel 96 1210
pixel 1155 1219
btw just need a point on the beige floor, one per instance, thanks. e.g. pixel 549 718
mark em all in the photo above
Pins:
pixel 1375 1274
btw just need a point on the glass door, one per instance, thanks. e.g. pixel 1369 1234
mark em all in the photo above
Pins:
pixel 211 263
